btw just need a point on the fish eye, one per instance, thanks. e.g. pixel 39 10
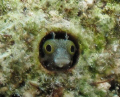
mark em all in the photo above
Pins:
pixel 48 48
pixel 72 48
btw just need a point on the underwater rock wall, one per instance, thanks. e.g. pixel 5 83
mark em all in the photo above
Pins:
pixel 96 27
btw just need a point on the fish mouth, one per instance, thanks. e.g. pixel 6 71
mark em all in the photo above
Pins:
pixel 61 62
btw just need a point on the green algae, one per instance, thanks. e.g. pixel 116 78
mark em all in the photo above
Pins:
pixel 25 23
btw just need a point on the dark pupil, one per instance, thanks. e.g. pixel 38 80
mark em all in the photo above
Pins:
pixel 48 48
pixel 72 49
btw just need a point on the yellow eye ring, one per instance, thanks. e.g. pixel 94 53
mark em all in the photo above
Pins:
pixel 71 48
pixel 48 47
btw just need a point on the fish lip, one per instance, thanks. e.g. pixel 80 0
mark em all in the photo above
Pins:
pixel 61 62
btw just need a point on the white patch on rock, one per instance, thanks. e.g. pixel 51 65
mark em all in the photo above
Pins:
pixel 104 86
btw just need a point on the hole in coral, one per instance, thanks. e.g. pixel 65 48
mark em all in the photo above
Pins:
pixel 2 95
pixel 115 87
pixel 22 84
pixel 15 95
pixel 58 35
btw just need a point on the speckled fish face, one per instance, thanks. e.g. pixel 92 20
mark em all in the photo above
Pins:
pixel 58 52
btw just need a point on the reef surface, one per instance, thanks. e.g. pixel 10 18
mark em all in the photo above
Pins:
pixel 95 23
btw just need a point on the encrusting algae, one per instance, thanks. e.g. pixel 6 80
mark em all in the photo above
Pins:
pixel 92 25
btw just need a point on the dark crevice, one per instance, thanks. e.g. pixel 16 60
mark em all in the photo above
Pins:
pixel 2 95
pixel 115 87
pixel 15 95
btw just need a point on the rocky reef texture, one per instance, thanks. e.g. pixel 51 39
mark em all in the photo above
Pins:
pixel 96 23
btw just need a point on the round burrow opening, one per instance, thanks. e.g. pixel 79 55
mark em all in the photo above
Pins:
pixel 59 40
